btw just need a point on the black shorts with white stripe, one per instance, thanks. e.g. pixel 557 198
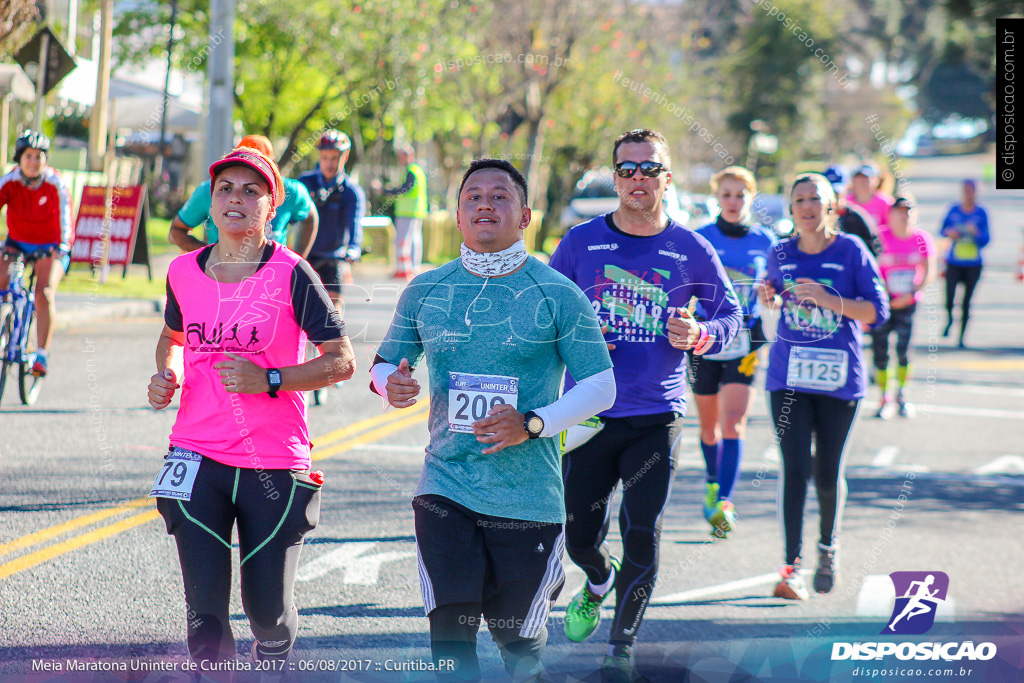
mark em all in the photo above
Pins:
pixel 512 568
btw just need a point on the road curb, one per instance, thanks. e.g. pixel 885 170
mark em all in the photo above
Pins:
pixel 81 310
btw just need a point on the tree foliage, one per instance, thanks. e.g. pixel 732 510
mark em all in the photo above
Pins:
pixel 549 85
pixel 780 63
pixel 16 17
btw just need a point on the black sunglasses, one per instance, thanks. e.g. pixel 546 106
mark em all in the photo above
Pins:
pixel 651 169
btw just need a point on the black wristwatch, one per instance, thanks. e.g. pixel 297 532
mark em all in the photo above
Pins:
pixel 274 380
pixel 533 424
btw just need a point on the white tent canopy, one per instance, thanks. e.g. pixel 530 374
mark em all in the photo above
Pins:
pixel 137 106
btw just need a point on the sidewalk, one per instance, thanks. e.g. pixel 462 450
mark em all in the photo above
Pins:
pixel 373 285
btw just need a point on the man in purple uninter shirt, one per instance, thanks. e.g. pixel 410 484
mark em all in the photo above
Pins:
pixel 640 271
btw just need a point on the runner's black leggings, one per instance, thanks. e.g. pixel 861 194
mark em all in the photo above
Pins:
pixel 901 321
pixel 800 417
pixel 639 454
pixel 969 276
pixel 274 509
pixel 453 630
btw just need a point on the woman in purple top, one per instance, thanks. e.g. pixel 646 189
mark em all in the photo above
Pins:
pixel 828 284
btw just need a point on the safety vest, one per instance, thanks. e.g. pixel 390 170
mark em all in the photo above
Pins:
pixel 413 204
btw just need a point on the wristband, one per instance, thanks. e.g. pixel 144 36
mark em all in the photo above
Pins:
pixel 704 341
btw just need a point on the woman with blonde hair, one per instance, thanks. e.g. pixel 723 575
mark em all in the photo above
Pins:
pixel 828 284
pixel 722 383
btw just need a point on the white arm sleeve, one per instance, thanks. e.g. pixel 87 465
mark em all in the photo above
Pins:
pixel 588 398
pixel 379 373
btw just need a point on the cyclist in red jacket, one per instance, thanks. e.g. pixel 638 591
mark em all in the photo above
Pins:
pixel 38 220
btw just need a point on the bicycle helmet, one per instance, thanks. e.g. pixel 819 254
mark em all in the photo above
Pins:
pixel 30 139
pixel 334 139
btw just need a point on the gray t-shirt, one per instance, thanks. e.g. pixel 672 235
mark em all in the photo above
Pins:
pixel 489 341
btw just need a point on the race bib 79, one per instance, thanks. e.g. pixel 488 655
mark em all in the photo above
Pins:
pixel 176 478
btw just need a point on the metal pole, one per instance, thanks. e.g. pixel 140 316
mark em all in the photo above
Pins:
pixel 161 157
pixel 5 125
pixel 72 27
pixel 44 51
pixel 220 75
pixel 98 120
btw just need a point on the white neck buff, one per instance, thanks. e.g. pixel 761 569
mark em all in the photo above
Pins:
pixel 494 264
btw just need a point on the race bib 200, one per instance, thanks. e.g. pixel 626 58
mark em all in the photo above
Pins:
pixel 471 397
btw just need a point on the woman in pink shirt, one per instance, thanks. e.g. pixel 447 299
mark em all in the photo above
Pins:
pixel 864 193
pixel 907 264
pixel 239 313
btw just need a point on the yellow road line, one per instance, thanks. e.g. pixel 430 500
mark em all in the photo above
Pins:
pixel 98 516
pixel 389 416
pixel 50 552
pixel 394 422
pixel 70 525
pixel 371 436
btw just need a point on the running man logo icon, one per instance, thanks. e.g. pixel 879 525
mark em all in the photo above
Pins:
pixel 918 595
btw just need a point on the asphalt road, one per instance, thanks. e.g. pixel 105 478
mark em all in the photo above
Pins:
pixel 87 574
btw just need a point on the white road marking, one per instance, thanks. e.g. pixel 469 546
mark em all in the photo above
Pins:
pixel 711 591
pixel 1004 464
pixel 885 456
pixel 968 411
pixel 359 571
pixel 336 559
pixel 771 454
pixel 987 389
pixel 877 598
pixel 365 571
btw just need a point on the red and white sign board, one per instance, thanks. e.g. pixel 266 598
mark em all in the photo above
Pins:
pixel 124 214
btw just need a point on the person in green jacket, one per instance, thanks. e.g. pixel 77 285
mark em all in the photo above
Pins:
pixel 410 210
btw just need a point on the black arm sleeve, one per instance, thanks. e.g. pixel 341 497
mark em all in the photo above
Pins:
pixel 313 308
pixel 172 312
pixel 407 184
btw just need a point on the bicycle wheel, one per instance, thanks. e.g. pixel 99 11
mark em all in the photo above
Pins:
pixel 29 384
pixel 6 325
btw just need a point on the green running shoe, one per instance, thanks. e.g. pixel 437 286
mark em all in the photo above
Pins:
pixel 584 611
pixel 710 500
pixel 723 519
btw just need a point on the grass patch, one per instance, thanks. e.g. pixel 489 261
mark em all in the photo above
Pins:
pixel 158 229
pixel 81 280
pixel 137 285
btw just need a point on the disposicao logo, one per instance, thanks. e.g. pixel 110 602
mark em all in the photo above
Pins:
pixel 918 595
